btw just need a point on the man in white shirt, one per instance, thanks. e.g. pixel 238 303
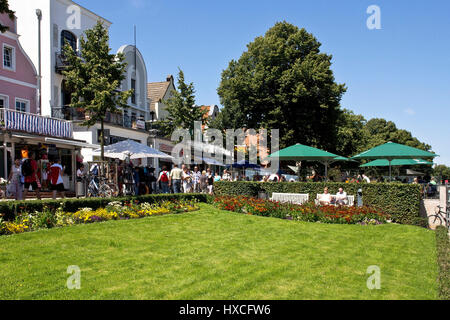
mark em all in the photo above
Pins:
pixel 341 198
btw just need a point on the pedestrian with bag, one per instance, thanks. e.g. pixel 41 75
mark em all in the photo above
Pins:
pixel 164 180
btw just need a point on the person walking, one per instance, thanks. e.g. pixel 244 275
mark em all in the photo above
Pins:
pixel 187 180
pixel 137 180
pixel 210 178
pixel 30 172
pixel 56 180
pixel 196 179
pixel 15 179
pixel 203 182
pixel 175 179
pixel 164 180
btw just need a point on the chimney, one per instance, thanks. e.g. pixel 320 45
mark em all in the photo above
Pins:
pixel 169 78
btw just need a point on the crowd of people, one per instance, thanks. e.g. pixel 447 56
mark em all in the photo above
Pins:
pixel 25 175
pixel 137 180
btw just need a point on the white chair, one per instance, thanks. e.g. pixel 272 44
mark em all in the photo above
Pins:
pixel 295 198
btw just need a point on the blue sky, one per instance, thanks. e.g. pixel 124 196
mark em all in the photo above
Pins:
pixel 400 72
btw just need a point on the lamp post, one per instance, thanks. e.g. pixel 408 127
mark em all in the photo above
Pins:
pixel 39 17
pixel 153 133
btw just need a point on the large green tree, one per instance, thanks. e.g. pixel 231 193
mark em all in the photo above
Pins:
pixel 283 81
pixel 356 134
pixel 94 78
pixel 181 108
pixel 441 172
pixel 350 133
pixel 4 8
pixel 378 131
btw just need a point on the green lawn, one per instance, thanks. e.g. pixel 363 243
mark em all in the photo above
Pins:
pixel 213 254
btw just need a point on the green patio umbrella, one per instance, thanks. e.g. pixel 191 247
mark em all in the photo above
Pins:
pixel 392 151
pixel 301 152
pixel 396 163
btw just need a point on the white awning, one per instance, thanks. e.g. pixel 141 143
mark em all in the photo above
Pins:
pixel 72 143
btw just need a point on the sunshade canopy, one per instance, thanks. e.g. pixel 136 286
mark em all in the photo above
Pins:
pixel 301 152
pixel 134 150
pixel 391 151
pixel 397 163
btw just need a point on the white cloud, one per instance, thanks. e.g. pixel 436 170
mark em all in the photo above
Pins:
pixel 410 112
pixel 137 3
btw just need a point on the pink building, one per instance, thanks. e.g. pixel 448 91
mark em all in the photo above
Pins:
pixel 18 76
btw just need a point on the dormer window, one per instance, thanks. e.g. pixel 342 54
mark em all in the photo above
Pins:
pixel 69 37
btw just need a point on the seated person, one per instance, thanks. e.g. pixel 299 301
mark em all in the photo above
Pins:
pixel 341 198
pixel 325 199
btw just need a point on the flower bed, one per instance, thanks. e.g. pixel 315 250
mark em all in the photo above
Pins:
pixel 307 212
pixel 49 218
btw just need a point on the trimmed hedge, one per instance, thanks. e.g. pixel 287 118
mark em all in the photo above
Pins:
pixel 9 209
pixel 401 201
pixel 443 253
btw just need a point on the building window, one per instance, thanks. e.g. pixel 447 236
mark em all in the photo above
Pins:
pixel 3 102
pixel 67 36
pixel 22 105
pixel 133 96
pixel 8 57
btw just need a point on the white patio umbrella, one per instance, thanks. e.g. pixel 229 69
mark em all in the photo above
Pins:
pixel 133 150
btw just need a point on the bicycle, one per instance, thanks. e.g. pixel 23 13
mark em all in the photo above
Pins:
pixel 441 218
pixel 99 187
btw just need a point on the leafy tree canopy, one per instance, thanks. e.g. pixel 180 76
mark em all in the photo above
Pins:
pixel 181 108
pixel 356 134
pixel 442 171
pixel 95 76
pixel 283 82
pixel 4 8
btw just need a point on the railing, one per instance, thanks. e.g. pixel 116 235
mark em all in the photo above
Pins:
pixel 68 113
pixel 35 124
pixel 72 114
pixel 61 61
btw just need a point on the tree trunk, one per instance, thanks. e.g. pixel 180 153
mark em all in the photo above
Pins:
pixel 102 139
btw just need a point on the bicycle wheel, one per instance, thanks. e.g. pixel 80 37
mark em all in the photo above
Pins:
pixel 114 190
pixel 436 220
pixel 105 191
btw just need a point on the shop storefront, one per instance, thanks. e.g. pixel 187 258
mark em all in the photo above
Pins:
pixel 46 150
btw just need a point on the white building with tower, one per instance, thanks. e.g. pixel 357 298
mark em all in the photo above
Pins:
pixel 130 123
pixel 45 27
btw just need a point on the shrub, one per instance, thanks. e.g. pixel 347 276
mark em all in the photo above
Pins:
pixel 400 201
pixel 443 252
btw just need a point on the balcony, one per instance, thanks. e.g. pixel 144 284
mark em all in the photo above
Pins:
pixel 35 124
pixel 68 113
pixel 72 114
pixel 61 61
